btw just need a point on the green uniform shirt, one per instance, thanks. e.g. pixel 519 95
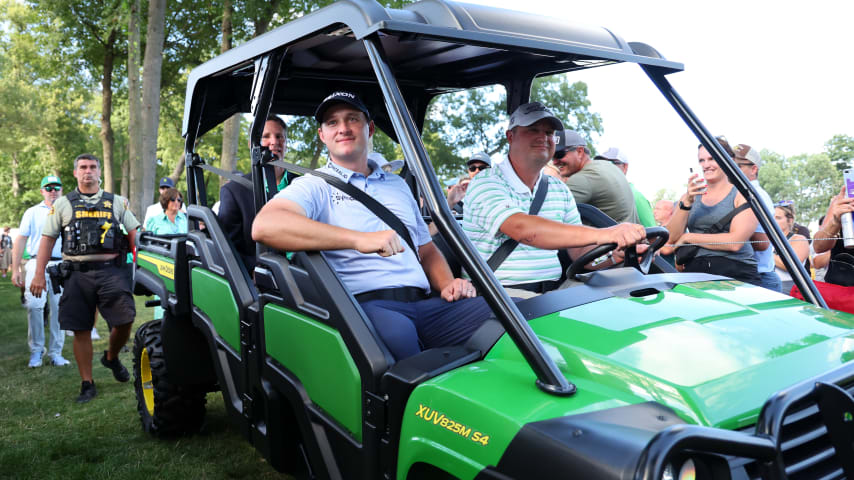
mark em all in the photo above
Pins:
pixel 647 219
pixel 61 213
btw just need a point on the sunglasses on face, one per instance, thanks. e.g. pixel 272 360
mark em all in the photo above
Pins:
pixel 177 200
pixel 52 188
pixel 477 168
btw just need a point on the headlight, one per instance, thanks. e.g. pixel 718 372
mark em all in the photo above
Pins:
pixel 687 471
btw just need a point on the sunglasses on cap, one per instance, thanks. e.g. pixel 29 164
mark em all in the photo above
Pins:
pixel 783 203
pixel 477 168
pixel 52 188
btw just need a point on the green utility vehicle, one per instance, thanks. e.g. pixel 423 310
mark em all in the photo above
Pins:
pixel 638 372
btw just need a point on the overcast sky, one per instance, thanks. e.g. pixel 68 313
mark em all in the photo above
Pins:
pixel 775 75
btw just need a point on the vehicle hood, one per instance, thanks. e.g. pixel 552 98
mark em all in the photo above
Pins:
pixel 714 351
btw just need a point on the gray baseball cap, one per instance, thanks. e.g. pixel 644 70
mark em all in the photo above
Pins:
pixel 567 139
pixel 480 157
pixel 530 113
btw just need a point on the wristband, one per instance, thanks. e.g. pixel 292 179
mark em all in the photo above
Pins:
pixel 682 206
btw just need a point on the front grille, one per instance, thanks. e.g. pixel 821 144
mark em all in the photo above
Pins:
pixel 805 446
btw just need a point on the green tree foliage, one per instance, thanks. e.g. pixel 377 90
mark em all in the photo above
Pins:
pixel 808 180
pixel 840 149
pixel 44 115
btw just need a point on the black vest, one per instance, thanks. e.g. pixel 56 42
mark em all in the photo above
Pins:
pixel 93 229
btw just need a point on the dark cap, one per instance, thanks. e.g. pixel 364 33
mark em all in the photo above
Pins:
pixel 167 182
pixel 340 97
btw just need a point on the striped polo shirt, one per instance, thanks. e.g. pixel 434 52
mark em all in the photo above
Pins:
pixel 493 196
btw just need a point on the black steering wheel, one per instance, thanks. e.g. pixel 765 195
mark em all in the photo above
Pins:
pixel 656 236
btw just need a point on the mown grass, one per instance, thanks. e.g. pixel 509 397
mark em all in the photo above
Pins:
pixel 45 434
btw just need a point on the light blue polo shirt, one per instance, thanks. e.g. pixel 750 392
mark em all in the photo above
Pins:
pixel 31 227
pixel 764 258
pixel 364 272
pixel 161 225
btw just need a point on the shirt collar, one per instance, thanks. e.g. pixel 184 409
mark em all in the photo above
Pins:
pixel 513 180
pixel 346 174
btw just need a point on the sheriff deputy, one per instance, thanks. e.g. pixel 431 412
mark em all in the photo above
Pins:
pixel 94 250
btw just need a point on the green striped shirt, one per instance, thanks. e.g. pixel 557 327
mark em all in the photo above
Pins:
pixel 492 197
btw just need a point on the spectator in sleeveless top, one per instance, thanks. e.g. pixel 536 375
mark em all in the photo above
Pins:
pixel 784 214
pixel 724 253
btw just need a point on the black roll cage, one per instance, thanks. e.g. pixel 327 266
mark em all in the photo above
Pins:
pixel 271 66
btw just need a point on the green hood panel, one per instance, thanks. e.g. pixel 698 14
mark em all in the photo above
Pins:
pixel 712 351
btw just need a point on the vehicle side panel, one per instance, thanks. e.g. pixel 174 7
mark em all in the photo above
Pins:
pixel 212 295
pixel 317 355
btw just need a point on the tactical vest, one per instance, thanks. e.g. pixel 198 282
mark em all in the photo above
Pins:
pixel 93 229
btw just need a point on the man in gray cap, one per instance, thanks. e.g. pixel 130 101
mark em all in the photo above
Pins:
pixel 749 161
pixel 600 184
pixel 498 205
pixel 477 162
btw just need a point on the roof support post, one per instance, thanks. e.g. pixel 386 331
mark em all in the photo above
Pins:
pixel 549 377
pixel 735 175
pixel 263 89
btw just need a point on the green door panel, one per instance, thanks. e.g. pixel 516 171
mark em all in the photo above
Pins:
pixel 317 355
pixel 212 294
pixel 164 267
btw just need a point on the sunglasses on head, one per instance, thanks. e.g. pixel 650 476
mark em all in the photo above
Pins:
pixel 784 203
pixel 52 188
pixel 477 168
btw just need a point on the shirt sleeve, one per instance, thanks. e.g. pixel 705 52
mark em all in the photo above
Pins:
pixel 487 204
pixel 26 223
pixel 307 192
pixel 580 186
pixel 123 213
pixel 60 213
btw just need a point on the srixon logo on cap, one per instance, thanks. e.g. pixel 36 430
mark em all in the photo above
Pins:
pixel 340 94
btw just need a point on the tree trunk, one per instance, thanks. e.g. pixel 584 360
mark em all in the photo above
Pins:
pixel 125 178
pixel 262 23
pixel 178 170
pixel 318 149
pixel 231 128
pixel 151 72
pixel 133 165
pixel 107 140
pixel 16 185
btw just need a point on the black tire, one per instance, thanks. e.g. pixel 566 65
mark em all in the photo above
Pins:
pixel 164 409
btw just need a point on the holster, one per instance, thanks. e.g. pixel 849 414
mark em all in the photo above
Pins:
pixel 56 278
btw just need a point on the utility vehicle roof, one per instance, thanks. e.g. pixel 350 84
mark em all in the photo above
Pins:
pixel 433 46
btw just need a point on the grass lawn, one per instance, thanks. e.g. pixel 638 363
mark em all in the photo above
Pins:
pixel 45 434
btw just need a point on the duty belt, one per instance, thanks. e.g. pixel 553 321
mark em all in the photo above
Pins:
pixel 86 266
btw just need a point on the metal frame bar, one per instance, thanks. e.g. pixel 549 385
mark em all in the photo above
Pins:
pixel 549 377
pixel 735 175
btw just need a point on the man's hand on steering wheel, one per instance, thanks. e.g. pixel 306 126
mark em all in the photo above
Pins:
pixel 637 257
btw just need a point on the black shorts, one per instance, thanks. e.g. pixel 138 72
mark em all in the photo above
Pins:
pixel 107 289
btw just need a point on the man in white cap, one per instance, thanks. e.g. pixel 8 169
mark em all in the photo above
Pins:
pixel 749 161
pixel 620 160
pixel 27 245
pixel 600 184
pixel 476 163
pixel 498 208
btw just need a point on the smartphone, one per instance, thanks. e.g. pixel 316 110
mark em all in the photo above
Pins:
pixel 699 180
pixel 847 220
